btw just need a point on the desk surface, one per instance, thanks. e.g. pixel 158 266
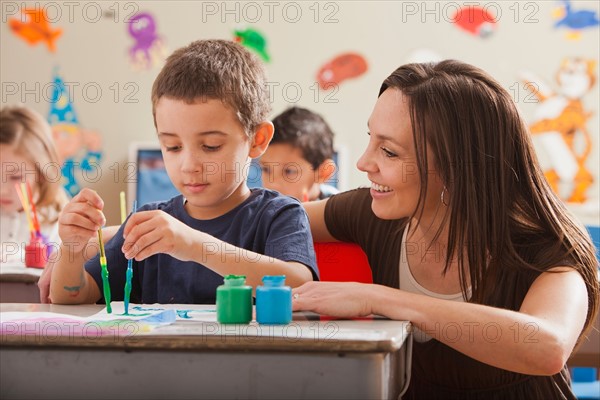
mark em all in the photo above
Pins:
pixel 19 273
pixel 19 284
pixel 307 332
pixel 306 359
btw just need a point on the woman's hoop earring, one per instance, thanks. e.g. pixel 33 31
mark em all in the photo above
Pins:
pixel 442 197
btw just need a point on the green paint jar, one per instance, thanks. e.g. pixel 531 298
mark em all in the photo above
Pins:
pixel 234 301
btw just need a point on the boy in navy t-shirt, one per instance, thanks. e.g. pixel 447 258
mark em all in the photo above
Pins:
pixel 210 106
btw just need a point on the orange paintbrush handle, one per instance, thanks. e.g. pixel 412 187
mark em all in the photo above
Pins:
pixel 36 223
pixel 21 192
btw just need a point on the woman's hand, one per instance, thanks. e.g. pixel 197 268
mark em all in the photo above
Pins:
pixel 44 283
pixel 337 299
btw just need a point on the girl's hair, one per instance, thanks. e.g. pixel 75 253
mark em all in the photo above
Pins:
pixel 30 136
pixel 506 226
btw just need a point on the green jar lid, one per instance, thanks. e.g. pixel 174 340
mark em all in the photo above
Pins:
pixel 234 280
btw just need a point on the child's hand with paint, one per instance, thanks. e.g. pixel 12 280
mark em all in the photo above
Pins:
pixel 151 232
pixel 80 220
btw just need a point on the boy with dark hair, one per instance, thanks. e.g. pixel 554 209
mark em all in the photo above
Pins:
pixel 299 160
pixel 210 107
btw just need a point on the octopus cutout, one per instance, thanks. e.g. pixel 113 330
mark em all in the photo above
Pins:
pixel 149 49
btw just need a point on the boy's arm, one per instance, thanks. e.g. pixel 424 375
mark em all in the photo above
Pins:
pixel 78 223
pixel 152 232
pixel 70 283
pixel 91 249
pixel 225 259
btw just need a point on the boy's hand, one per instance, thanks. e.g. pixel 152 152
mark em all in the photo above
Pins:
pixel 80 219
pixel 44 283
pixel 151 232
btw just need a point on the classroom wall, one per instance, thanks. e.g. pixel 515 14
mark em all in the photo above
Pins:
pixel 113 100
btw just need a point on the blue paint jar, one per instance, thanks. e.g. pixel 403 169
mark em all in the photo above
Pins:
pixel 273 301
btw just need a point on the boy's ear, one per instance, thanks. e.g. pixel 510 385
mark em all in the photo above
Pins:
pixel 262 138
pixel 325 170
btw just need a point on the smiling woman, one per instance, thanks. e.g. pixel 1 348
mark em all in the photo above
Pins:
pixel 465 239
pixel 391 165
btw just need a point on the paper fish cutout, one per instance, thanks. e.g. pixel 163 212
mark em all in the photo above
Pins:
pixel 343 67
pixel 35 29
pixel 148 49
pixel 253 40
pixel 575 20
pixel 475 20
pixel 559 127
pixel 78 148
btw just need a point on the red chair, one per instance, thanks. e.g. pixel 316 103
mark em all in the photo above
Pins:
pixel 342 262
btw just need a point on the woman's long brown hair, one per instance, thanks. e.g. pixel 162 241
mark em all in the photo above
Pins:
pixel 506 226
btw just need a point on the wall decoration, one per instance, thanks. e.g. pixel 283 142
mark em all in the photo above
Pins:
pixel 559 127
pixel 149 48
pixel 340 68
pixel 475 20
pixel 35 29
pixel 254 41
pixel 421 55
pixel 78 149
pixel 574 20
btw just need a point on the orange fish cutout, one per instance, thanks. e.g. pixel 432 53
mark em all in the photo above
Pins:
pixel 35 29
pixel 344 66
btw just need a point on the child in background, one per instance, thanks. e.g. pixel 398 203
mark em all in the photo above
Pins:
pixel 27 154
pixel 299 158
pixel 210 106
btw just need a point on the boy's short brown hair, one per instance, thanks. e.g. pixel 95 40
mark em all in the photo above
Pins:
pixel 216 69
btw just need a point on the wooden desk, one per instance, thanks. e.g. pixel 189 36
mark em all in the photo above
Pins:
pixel 343 359
pixel 19 284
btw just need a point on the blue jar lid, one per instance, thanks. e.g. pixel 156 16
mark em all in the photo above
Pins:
pixel 273 280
